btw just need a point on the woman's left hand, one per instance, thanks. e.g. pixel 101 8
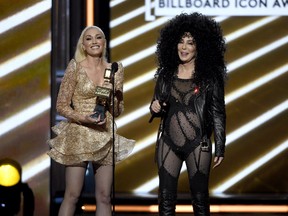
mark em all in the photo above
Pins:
pixel 217 161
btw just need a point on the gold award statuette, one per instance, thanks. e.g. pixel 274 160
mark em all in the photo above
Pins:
pixel 103 97
pixel 102 92
pixel 107 74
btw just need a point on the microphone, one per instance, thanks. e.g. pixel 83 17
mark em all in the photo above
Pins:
pixel 162 111
pixel 114 67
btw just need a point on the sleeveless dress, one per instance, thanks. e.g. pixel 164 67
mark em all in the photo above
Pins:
pixel 76 143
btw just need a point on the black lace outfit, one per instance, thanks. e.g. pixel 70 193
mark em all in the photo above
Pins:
pixel 181 139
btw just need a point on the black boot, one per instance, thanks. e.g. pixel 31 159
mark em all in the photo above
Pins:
pixel 167 203
pixel 201 206
pixel 167 193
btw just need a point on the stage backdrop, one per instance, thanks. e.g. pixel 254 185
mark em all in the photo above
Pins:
pixel 256 93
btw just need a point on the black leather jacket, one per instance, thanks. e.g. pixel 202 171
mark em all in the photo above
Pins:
pixel 210 107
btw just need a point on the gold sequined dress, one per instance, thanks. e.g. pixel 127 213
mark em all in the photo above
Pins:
pixel 75 142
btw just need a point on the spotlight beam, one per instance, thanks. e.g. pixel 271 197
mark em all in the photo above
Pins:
pixel 25 115
pixel 257 54
pixel 127 17
pixel 250 28
pixel 136 32
pixel 24 16
pixel 116 2
pixel 251 168
pixel 25 58
pixel 256 84
pixel 35 167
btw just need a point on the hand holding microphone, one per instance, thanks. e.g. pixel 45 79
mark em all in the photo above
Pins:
pixel 157 107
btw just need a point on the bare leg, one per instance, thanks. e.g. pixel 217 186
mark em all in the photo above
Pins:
pixel 103 184
pixel 74 182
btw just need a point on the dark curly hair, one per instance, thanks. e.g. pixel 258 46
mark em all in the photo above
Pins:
pixel 210 47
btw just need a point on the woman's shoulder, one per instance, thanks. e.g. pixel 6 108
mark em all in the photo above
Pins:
pixel 120 66
pixel 119 63
pixel 72 64
pixel 73 67
pixel 160 73
pixel 73 61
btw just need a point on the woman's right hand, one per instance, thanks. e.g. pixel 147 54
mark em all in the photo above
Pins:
pixel 155 106
pixel 89 120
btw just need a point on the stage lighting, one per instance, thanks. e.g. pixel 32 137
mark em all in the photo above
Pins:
pixel 11 189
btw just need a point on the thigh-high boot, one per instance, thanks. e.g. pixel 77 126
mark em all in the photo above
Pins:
pixel 167 193
pixel 200 202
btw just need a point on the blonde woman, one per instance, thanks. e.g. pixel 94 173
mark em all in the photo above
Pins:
pixel 81 138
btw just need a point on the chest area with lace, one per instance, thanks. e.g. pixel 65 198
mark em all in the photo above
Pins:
pixel 183 92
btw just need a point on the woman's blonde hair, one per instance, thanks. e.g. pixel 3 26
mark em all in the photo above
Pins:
pixel 80 54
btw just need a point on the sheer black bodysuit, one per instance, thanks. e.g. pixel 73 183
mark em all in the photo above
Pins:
pixel 181 140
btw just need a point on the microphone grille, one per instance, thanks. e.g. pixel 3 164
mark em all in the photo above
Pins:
pixel 114 67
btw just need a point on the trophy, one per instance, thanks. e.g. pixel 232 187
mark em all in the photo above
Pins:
pixel 103 97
